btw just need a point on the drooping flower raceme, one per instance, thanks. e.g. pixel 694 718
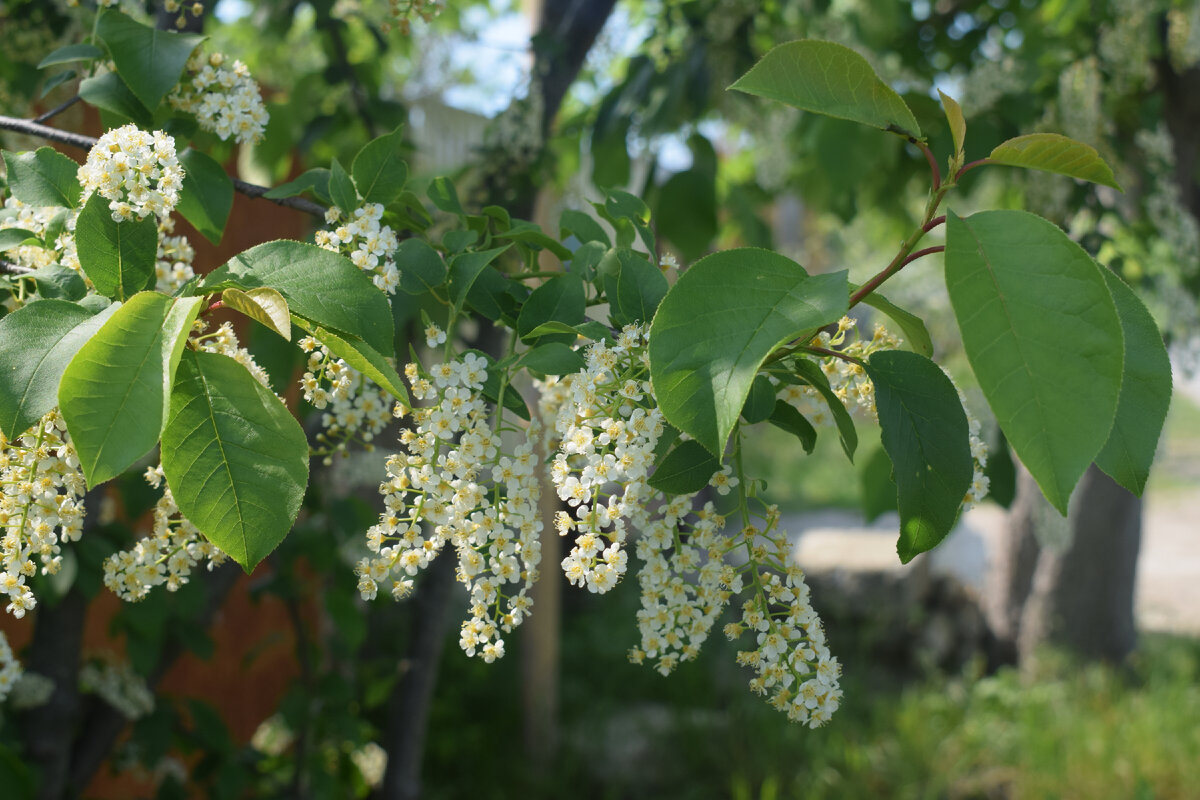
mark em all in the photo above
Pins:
pixel 355 409
pixel 41 506
pixel 137 172
pixel 608 425
pixel 691 566
pixel 223 97
pixel 455 483
pixel 165 557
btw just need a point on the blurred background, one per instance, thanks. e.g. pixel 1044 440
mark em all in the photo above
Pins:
pixel 1028 656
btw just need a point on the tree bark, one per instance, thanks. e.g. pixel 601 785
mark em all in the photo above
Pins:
pixel 1082 598
pixel 1077 594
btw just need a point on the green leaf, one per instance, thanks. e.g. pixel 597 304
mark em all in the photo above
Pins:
pixel 787 418
pixel 923 428
pixel 206 196
pixel 760 403
pixel 59 282
pixel 1000 472
pixel 235 458
pixel 830 79
pixel 1053 152
pixel 263 305
pixel 361 356
pixel 876 486
pixel 114 394
pixel 814 377
pixel 44 177
pixel 583 227
pixel 916 335
pixel 635 289
pixel 530 234
pixel 686 212
pixel 464 271
pixel 496 297
pixel 56 80
pixel 72 52
pixel 341 188
pixel 378 170
pixel 445 196
pixel 1145 393
pixel 421 267
pixel 315 180
pixel 596 331
pixel 37 341
pixel 15 237
pixel 685 470
pixel 954 116
pixel 109 93
pixel 560 299
pixel 1042 334
pixel 149 61
pixel 117 257
pixel 318 284
pixel 553 358
pixel 719 323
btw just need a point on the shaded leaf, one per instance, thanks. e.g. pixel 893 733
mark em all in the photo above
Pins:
pixel 923 428
pixel 686 469
pixel 149 61
pixel 44 177
pixel 117 257
pixel 37 341
pixel 1145 393
pixel 206 197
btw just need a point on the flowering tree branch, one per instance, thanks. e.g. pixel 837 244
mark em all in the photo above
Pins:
pixel 34 128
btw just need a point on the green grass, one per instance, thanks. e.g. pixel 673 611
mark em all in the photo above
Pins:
pixel 1071 731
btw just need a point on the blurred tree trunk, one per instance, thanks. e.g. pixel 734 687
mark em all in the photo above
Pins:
pixel 1078 593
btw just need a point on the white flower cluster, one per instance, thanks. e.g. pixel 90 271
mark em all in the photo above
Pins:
pixel 137 172
pixel 173 265
pixel 366 241
pixel 41 505
pixel 223 97
pixel 224 341
pixel 119 686
pixel 34 219
pixel 166 556
pixel 10 668
pixel 848 380
pixel 453 483
pixel 608 425
pixel 355 408
pixel 685 582
pixel 791 661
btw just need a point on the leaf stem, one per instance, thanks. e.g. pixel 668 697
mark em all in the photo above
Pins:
pixel 933 167
pixel 825 351
pixel 971 166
